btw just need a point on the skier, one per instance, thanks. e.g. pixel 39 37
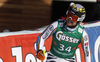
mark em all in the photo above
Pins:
pixel 67 35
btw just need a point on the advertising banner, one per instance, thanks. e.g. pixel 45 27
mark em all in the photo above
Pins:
pixel 20 46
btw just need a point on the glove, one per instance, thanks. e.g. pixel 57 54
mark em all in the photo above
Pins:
pixel 40 55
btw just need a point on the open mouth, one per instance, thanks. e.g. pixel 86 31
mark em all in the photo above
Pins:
pixel 69 20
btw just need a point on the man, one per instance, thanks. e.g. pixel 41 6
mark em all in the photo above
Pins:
pixel 67 35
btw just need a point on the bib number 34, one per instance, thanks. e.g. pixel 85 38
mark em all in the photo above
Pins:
pixel 61 48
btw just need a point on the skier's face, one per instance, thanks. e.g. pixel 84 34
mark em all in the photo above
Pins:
pixel 70 22
pixel 71 19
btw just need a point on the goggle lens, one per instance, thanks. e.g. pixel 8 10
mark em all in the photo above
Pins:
pixel 74 17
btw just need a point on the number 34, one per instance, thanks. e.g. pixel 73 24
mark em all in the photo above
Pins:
pixel 66 49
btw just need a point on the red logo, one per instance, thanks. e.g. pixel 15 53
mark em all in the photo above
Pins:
pixel 74 48
pixel 55 43
pixel 86 44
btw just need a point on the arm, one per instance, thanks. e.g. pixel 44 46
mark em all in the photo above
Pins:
pixel 42 37
pixel 46 34
pixel 86 47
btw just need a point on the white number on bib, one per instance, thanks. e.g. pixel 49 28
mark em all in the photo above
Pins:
pixel 61 47
pixel 66 49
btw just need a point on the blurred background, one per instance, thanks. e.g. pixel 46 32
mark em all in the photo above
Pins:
pixel 17 15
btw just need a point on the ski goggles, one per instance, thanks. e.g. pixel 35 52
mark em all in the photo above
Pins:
pixel 73 17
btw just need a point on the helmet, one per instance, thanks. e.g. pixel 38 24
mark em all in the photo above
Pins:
pixel 76 12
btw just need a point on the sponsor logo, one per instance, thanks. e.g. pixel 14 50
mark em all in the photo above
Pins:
pixel 51 28
pixel 61 36
pixel 85 38
pixel 86 44
pixel 48 31
pixel 86 51
pixel 46 34
pixel 80 30
pixel 78 9
pixel 60 24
